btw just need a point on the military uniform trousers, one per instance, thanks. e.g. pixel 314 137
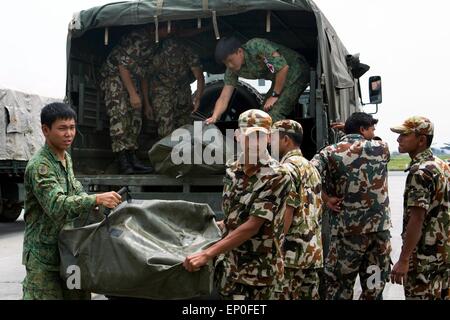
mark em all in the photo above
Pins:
pixel 298 284
pixel 427 286
pixel 288 99
pixel 125 122
pixel 367 255
pixel 245 292
pixel 172 106
pixel 47 285
pixel 229 289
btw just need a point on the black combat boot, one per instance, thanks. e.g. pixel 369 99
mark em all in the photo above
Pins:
pixel 125 166
pixel 137 165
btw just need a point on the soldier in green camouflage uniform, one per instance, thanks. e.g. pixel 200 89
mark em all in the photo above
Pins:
pixel 263 59
pixel 134 54
pixel 174 68
pixel 53 198
pixel 302 246
pixel 354 179
pixel 249 261
pixel 424 262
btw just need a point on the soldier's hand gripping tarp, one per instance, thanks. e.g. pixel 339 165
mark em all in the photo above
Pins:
pixel 138 250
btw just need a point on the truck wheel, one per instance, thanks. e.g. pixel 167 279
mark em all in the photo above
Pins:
pixel 244 97
pixel 10 211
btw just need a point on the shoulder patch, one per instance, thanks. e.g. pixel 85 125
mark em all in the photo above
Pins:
pixel 269 65
pixel 43 169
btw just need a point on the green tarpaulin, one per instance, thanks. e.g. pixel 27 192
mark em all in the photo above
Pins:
pixel 192 154
pixel 141 12
pixel 297 24
pixel 139 250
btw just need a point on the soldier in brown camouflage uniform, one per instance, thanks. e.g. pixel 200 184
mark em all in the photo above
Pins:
pixel 249 261
pixel 121 75
pixel 54 197
pixel 175 66
pixel 424 262
pixel 302 246
pixel 354 182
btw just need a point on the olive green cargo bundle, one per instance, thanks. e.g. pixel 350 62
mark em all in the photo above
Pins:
pixel 195 155
pixel 138 250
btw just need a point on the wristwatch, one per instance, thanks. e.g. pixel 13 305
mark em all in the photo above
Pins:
pixel 275 94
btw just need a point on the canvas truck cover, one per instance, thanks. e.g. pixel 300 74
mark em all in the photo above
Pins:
pixel 139 250
pixel 20 124
pixel 312 32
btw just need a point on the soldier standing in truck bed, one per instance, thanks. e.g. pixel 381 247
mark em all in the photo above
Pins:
pixel 121 74
pixel 175 66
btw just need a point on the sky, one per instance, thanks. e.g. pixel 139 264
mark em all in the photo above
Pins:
pixel 406 42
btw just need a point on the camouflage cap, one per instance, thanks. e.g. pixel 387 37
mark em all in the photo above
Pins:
pixel 417 124
pixel 255 120
pixel 289 126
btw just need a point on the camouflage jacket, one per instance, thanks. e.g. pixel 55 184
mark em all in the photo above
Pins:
pixel 355 169
pixel 53 198
pixel 172 64
pixel 135 51
pixel 303 242
pixel 260 191
pixel 428 187
pixel 261 64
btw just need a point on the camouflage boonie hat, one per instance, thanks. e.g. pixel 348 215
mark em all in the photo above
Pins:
pixel 417 124
pixel 255 120
pixel 289 126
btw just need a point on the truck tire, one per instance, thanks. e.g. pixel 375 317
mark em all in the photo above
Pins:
pixel 245 97
pixel 9 211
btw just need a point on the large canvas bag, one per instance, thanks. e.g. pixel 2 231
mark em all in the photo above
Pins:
pixel 139 249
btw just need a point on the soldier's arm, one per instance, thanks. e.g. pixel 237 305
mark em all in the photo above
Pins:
pixel 148 108
pixel 288 218
pixel 198 73
pixel 79 189
pixel 274 194
pixel 233 240
pixel 334 203
pixel 50 195
pixel 274 60
pixel 193 61
pixel 411 239
pixel 280 79
pixel 221 103
pixel 319 161
pixel 294 199
pixel 413 232
pixel 125 75
pixel 418 198
pixel 274 190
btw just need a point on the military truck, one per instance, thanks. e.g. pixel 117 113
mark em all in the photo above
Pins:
pixel 334 92
pixel 20 138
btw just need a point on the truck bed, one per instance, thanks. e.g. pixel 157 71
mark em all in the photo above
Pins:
pixel 207 189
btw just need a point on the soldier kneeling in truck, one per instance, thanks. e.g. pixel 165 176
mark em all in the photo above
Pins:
pixel 262 59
